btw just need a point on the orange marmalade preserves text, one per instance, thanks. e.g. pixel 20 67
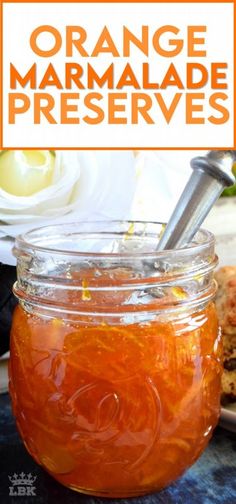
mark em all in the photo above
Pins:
pixel 115 355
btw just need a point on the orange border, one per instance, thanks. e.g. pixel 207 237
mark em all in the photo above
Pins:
pixel 115 148
pixel 118 148
pixel 117 1
pixel 1 76
pixel 234 77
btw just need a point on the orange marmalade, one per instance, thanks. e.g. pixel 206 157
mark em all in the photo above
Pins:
pixel 115 387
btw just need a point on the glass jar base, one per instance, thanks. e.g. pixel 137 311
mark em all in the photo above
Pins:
pixel 113 494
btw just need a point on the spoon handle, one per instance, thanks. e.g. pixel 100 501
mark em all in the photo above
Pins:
pixel 211 174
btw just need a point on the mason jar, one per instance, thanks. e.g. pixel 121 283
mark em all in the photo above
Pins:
pixel 115 355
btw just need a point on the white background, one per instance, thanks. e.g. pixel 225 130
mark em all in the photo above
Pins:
pixel 21 19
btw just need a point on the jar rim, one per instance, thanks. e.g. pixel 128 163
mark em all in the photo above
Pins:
pixel 53 261
pixel 32 240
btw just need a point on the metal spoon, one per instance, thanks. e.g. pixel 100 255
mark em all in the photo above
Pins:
pixel 211 174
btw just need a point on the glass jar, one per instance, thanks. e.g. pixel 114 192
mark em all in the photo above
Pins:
pixel 115 355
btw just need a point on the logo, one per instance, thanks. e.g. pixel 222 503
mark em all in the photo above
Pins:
pixel 22 485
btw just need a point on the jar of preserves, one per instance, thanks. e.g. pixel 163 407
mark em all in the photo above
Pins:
pixel 115 355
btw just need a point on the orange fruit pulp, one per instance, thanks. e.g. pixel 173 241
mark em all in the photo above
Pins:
pixel 115 410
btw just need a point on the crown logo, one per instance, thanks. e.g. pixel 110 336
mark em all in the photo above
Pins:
pixel 22 479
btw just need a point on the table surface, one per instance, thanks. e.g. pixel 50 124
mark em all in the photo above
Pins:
pixel 212 479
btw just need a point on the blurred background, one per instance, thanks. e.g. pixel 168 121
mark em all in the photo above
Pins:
pixel 44 187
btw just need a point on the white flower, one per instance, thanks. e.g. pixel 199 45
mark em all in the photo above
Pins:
pixel 161 178
pixel 38 188
pixel 87 185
